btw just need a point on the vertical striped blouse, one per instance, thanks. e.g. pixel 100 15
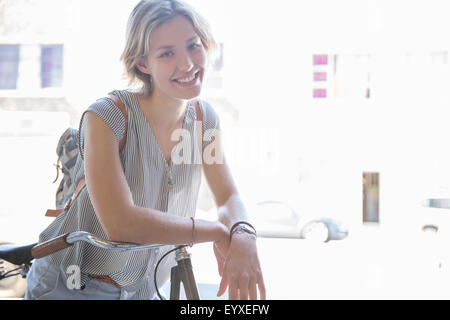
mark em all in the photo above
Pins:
pixel 148 175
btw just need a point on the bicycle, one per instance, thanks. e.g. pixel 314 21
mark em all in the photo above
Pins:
pixel 22 257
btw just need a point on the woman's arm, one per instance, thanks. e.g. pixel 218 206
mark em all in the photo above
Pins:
pixel 239 267
pixel 113 202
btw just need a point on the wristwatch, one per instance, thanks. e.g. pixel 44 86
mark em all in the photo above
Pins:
pixel 243 228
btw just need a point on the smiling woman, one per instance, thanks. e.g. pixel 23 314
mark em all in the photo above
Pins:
pixel 136 193
pixel 174 70
pixel 141 38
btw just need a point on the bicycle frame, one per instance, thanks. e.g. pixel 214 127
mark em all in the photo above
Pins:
pixel 66 240
pixel 180 273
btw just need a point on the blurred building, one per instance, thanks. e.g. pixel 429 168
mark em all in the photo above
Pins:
pixel 33 54
pixel 351 91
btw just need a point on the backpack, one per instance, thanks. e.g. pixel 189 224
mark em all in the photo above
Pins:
pixel 67 151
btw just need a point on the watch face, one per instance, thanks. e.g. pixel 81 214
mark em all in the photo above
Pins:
pixel 246 229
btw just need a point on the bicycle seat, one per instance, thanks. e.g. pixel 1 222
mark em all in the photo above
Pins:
pixel 17 255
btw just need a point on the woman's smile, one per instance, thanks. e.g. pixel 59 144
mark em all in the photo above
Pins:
pixel 188 81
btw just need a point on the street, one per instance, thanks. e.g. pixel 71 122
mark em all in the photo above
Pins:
pixel 370 264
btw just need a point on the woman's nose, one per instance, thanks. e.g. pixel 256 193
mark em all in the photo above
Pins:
pixel 185 63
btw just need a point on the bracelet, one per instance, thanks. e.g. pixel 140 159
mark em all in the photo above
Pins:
pixel 236 227
pixel 193 232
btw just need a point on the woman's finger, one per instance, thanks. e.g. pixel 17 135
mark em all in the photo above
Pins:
pixel 222 287
pixel 220 260
pixel 253 293
pixel 243 287
pixel 262 288
pixel 233 290
pixel 224 282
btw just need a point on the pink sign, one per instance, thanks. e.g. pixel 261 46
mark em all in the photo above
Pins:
pixel 320 59
pixel 320 76
pixel 320 93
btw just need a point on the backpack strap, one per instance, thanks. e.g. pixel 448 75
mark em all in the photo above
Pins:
pixel 118 102
pixel 198 112
pixel 82 183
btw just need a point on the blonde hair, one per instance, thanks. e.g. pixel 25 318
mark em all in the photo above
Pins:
pixel 144 19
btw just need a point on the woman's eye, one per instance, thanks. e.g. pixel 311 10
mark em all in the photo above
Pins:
pixel 194 46
pixel 166 54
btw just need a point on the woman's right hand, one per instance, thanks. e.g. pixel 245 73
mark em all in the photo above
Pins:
pixel 221 248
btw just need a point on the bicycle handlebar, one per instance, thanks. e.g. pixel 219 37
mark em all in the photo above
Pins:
pixel 67 240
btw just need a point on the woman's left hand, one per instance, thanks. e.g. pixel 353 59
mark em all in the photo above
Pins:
pixel 240 270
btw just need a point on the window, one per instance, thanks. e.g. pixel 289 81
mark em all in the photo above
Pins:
pixel 9 66
pixel 320 93
pixel 321 76
pixel 30 67
pixel 320 61
pixel 51 66
pixel 342 76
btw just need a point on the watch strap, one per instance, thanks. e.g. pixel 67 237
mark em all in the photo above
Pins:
pixel 241 226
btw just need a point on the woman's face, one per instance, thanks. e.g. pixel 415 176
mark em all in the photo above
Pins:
pixel 176 60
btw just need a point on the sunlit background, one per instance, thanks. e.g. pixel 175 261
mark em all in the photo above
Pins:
pixel 336 108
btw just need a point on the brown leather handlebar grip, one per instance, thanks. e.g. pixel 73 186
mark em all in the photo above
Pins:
pixel 51 246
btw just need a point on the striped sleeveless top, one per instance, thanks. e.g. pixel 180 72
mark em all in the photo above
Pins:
pixel 147 173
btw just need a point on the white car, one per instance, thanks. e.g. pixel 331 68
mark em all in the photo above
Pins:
pixel 275 219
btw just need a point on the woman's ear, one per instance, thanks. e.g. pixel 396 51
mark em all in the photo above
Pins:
pixel 141 64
